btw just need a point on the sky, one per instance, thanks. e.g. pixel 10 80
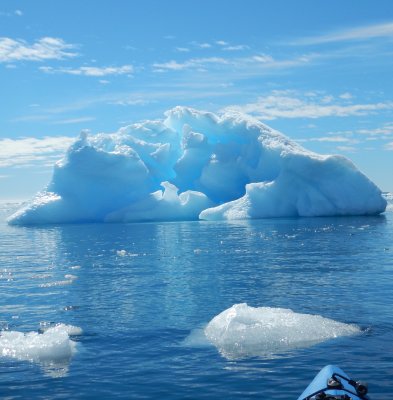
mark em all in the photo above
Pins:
pixel 318 71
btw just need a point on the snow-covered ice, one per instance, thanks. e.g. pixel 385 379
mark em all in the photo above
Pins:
pixel 193 165
pixel 242 331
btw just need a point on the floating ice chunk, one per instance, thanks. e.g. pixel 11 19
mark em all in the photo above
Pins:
pixel 212 167
pixel 53 348
pixel 242 331
pixel 70 277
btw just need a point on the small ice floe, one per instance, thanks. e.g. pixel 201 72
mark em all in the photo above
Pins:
pixel 70 308
pixel 52 347
pixel 124 253
pixel 244 331
pixel 71 277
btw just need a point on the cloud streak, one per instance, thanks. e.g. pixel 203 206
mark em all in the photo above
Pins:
pixel 27 151
pixel 359 33
pixel 47 48
pixel 253 65
pixel 90 71
pixel 193 63
pixel 281 104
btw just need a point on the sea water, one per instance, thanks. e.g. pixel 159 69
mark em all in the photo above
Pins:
pixel 138 297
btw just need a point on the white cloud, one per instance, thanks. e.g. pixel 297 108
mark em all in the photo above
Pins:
pixel 130 102
pixel 386 129
pixel 90 71
pixel 228 47
pixel 358 33
pixel 236 48
pixel 203 45
pixel 346 96
pixel 46 48
pixel 19 13
pixel 389 146
pixel 25 151
pixel 193 63
pixel 182 49
pixel 286 105
pixel 263 58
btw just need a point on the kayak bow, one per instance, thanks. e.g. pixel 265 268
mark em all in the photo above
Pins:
pixel 331 383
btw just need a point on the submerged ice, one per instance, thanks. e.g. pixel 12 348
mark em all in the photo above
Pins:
pixel 242 331
pixel 194 165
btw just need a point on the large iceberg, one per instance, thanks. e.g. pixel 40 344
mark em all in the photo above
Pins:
pixel 198 165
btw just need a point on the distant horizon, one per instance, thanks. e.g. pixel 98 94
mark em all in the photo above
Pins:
pixel 318 73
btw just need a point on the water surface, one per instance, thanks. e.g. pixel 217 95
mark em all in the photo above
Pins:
pixel 139 290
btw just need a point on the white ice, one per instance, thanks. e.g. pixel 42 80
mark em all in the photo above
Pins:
pixel 195 164
pixel 53 349
pixel 242 331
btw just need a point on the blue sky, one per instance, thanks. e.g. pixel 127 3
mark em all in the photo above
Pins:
pixel 318 71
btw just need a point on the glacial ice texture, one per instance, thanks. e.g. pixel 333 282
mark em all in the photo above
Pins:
pixel 244 331
pixel 197 165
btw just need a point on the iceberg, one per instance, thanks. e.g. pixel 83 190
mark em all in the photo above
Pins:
pixel 197 165
pixel 244 331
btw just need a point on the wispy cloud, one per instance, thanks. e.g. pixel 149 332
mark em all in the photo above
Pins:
pixel 74 120
pixel 284 104
pixel 330 139
pixel 183 49
pixel 358 33
pixel 27 151
pixel 384 130
pixel 193 63
pixel 17 13
pixel 347 149
pixel 229 47
pixel 253 65
pixel 47 48
pixel 389 146
pixel 90 71
pixel 130 102
pixel 202 45
pixel 380 133
pixel 236 48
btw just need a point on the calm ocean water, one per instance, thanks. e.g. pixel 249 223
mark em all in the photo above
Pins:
pixel 139 290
